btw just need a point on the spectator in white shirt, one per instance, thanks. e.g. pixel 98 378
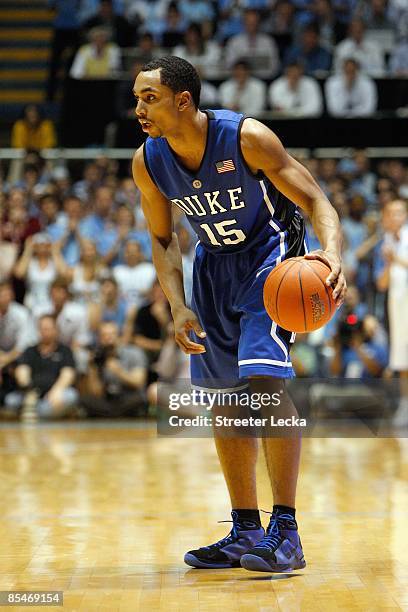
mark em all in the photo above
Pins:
pixel 201 53
pixel 399 59
pixel 257 48
pixel 369 55
pixel 72 322
pixel 97 60
pixel 351 94
pixel 135 276
pixel 16 327
pixel 296 95
pixel 243 93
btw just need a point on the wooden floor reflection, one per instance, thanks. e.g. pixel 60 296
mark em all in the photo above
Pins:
pixel 106 511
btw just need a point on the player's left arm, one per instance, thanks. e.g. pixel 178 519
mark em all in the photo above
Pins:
pixel 262 150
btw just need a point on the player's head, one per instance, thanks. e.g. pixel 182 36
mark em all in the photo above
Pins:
pixel 166 90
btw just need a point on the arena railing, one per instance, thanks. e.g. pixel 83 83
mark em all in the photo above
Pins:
pixel 115 153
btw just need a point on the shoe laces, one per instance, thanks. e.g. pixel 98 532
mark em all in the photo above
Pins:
pixel 229 539
pixel 273 537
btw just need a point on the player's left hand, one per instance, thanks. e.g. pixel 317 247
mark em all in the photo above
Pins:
pixel 336 278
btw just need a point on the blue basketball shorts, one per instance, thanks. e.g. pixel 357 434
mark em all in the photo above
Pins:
pixel 241 339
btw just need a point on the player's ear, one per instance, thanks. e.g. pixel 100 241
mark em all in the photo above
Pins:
pixel 184 100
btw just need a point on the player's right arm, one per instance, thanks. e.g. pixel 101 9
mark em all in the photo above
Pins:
pixel 166 255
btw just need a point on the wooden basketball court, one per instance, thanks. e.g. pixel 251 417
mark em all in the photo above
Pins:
pixel 105 512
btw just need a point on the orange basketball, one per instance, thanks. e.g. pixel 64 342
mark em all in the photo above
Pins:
pixel 296 296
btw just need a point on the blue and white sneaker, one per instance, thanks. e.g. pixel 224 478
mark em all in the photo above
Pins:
pixel 226 553
pixel 279 551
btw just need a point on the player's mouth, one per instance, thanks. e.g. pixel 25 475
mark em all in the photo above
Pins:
pixel 146 125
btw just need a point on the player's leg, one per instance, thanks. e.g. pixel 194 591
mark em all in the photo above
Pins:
pixel 264 358
pixel 281 549
pixel 238 458
pixel 217 369
pixel 282 454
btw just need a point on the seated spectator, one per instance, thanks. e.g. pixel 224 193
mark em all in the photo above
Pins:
pixel 129 195
pixel 368 54
pixel 18 225
pixel 243 93
pixel 204 54
pixel 98 224
pixel 280 25
pixel 99 59
pixel 173 27
pixel 147 16
pixel 116 377
pixel 72 321
pixel 196 11
pixel 354 307
pixel 110 308
pixel 229 22
pixel 147 49
pixel 399 59
pixel 351 94
pixel 353 225
pixel 135 276
pixel 16 334
pixel 38 269
pixel 363 179
pixel 123 34
pixel 398 15
pixel 45 375
pixel 323 13
pixel 32 131
pixel 89 8
pixel 92 179
pixel 374 14
pixel 360 348
pixel 296 95
pixel 65 231
pixel 124 230
pixel 84 278
pixel 49 208
pixel 255 47
pixel 309 52
pixel 147 326
pixel 209 95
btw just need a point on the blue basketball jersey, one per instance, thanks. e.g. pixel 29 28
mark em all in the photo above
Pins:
pixel 230 208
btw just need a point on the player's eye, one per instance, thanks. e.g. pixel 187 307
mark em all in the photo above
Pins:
pixel 150 98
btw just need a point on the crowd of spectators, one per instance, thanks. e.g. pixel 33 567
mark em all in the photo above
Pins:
pixel 85 327
pixel 267 51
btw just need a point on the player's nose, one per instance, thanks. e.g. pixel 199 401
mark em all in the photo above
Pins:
pixel 140 111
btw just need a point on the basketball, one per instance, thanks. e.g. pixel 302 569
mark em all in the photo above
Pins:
pixel 296 296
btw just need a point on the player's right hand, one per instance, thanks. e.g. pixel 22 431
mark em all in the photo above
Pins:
pixel 185 321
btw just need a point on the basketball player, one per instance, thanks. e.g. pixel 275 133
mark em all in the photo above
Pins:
pixel 239 190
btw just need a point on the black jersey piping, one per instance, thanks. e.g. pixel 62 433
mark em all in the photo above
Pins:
pixel 258 175
pixel 147 165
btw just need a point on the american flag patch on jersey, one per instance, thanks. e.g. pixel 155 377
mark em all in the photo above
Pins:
pixel 225 166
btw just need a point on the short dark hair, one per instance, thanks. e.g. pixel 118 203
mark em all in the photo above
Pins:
pixel 177 74
pixel 60 283
pixel 242 63
pixel 48 316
